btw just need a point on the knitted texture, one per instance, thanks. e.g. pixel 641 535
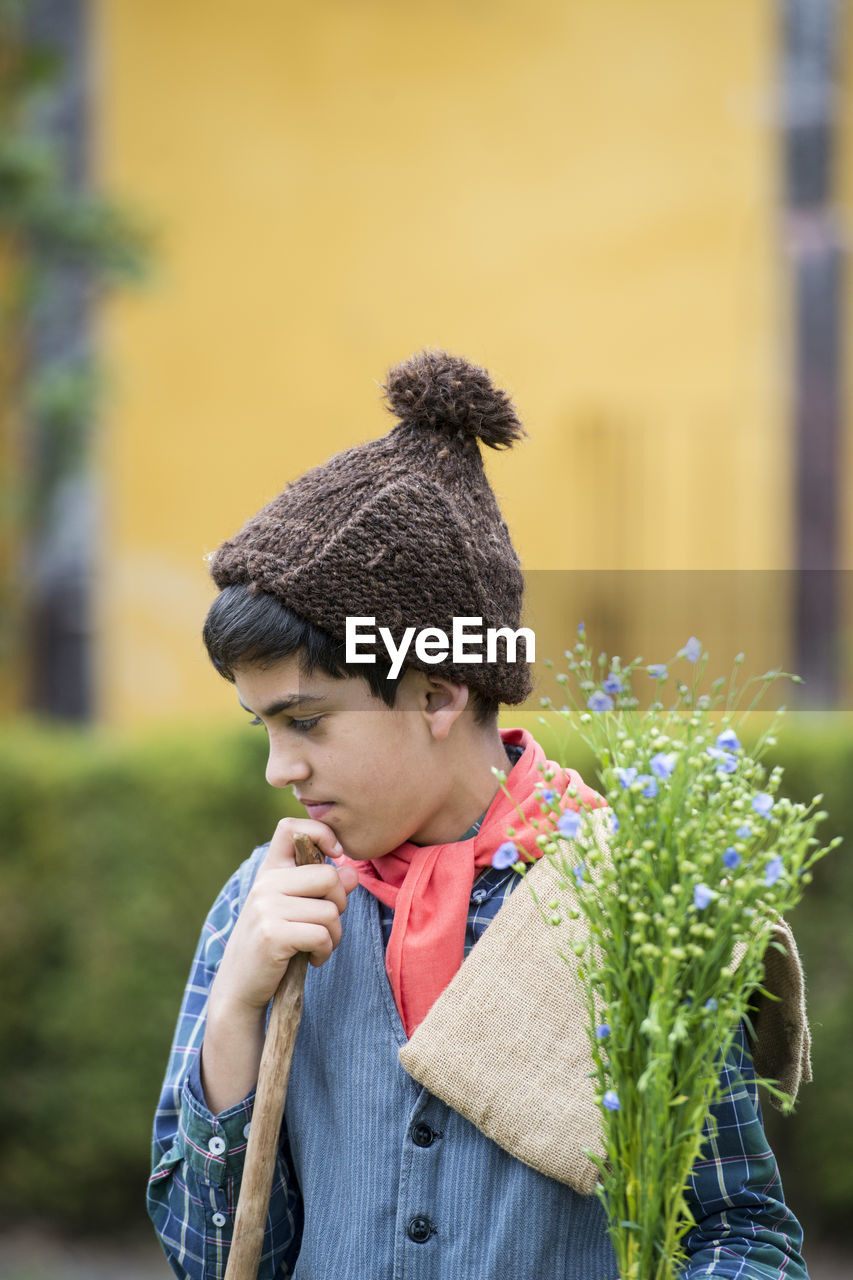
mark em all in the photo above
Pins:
pixel 404 529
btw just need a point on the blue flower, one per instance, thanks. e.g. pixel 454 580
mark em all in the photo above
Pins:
pixel 506 855
pixel 581 628
pixel 578 872
pixel 548 795
pixel 702 896
pixel 663 764
pixel 627 776
pixel 611 1101
pixel 602 1032
pixel 612 684
pixel 692 650
pixel 712 1005
pixel 650 785
pixel 599 701
pixel 569 824
pixel 614 823
pixel 762 803
pixel 731 857
pixel 657 670
pixel 728 741
pixel 726 761
pixel 775 867
pixel 744 832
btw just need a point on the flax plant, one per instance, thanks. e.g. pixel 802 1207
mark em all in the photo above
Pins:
pixel 669 926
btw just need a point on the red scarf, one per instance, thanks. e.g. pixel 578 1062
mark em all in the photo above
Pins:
pixel 429 887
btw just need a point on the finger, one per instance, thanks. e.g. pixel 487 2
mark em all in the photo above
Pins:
pixel 281 850
pixel 349 877
pixel 314 939
pixel 309 911
pixel 320 881
pixel 316 929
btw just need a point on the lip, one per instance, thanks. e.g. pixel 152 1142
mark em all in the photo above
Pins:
pixel 316 810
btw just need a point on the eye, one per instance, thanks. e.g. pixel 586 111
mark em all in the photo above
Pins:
pixel 305 726
pixel 256 720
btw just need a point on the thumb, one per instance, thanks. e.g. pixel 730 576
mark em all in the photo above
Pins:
pixel 347 872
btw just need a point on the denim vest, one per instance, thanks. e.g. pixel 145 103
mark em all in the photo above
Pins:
pixel 394 1182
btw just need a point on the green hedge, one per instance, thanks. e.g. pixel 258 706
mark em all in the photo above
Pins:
pixel 813 1146
pixel 112 854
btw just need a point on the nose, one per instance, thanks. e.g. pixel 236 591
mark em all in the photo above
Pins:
pixel 286 763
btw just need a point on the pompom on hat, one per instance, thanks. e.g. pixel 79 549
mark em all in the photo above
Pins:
pixel 404 529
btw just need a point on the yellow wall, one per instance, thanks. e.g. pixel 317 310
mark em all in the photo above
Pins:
pixel 580 196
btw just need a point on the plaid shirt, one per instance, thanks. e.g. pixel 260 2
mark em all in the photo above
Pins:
pixel 744 1231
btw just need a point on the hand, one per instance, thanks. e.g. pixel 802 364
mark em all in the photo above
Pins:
pixel 288 909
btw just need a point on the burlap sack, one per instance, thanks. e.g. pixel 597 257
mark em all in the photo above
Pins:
pixel 506 1043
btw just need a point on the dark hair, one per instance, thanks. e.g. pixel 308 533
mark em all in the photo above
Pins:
pixel 248 625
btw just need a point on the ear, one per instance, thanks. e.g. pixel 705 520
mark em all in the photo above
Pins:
pixel 442 703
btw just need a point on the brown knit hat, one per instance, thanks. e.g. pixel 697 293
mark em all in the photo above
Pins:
pixel 405 529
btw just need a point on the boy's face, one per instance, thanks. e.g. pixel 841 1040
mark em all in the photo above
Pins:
pixel 368 771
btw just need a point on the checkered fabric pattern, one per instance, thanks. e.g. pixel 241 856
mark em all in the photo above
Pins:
pixel 744 1229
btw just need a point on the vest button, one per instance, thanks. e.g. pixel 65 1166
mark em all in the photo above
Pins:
pixel 422 1135
pixel 419 1229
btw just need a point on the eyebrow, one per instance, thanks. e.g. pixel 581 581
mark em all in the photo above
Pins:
pixel 286 704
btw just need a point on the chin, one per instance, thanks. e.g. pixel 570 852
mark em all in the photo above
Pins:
pixel 365 851
pixel 362 854
pixel 360 847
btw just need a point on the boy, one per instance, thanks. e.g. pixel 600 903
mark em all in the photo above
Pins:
pixel 408 1150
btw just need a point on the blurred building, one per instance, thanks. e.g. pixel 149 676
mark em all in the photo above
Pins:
pixel 631 212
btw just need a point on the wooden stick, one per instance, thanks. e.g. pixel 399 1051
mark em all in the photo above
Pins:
pixel 250 1218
